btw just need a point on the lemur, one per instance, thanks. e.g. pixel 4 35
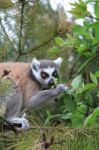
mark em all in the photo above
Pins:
pixel 34 80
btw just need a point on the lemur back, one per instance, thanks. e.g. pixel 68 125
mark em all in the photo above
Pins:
pixel 20 74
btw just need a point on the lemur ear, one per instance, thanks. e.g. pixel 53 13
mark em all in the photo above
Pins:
pixel 58 61
pixel 35 64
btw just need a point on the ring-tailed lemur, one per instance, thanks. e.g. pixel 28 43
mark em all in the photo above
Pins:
pixel 34 81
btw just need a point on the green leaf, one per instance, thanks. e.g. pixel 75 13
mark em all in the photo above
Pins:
pixel 67 116
pixel 96 112
pixel 89 86
pixel 84 64
pixel 93 78
pixel 79 9
pixel 71 41
pixel 82 48
pixel 89 1
pixel 81 107
pixel 96 27
pixel 77 82
pixel 91 119
pixel 54 49
pixel 77 29
pixel 97 74
pixel 78 115
pixel 96 9
pixel 59 41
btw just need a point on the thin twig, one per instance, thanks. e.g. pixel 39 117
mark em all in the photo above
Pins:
pixel 34 48
pixel 9 125
pixel 46 143
pixel 21 25
pixel 47 128
pixel 5 31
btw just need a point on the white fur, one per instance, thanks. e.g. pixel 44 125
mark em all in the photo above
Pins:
pixel 22 120
pixel 49 70
pixel 36 63
pixel 58 61
pixel 36 74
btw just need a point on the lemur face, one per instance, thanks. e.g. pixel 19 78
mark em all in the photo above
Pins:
pixel 46 71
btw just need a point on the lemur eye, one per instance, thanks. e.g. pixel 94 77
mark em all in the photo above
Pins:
pixel 55 74
pixel 44 75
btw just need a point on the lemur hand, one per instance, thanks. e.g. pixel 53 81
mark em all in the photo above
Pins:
pixel 61 88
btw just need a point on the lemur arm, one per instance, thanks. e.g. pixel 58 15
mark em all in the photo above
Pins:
pixel 42 98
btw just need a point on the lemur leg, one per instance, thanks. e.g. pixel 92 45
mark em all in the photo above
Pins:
pixel 21 123
pixel 42 98
pixel 13 109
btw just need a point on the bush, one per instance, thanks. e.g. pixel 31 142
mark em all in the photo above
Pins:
pixel 80 105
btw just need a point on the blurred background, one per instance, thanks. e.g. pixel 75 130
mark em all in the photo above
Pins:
pixel 35 28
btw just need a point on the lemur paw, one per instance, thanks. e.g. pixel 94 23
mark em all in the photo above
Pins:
pixel 62 87
pixel 20 123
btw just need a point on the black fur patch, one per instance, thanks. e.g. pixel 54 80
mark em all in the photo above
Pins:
pixel 32 77
pixel 6 72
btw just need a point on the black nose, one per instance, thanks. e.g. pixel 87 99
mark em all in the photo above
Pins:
pixel 51 82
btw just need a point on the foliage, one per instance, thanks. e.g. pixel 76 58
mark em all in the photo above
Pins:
pixel 86 35
pixel 79 106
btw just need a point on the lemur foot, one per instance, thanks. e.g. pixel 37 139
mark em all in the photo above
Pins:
pixel 20 123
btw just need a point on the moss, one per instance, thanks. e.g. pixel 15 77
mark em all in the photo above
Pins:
pixel 63 138
pixel 6 89
pixel 6 86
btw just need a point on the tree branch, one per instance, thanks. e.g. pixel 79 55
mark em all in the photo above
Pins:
pixel 35 48
pixel 21 24
pixel 92 17
pixel 5 31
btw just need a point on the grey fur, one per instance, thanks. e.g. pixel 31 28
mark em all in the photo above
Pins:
pixel 14 102
pixel 11 104
pixel 43 98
